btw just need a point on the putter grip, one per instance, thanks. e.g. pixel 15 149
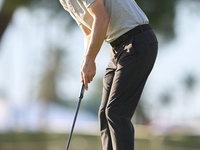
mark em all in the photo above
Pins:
pixel 82 91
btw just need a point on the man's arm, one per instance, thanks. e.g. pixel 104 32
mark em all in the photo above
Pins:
pixel 87 35
pixel 93 40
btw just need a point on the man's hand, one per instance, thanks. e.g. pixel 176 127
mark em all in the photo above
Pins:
pixel 88 71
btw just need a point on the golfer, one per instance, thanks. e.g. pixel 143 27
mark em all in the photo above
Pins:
pixel 133 51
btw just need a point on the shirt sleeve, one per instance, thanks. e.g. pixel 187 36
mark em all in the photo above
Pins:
pixel 63 3
pixel 88 2
pixel 76 20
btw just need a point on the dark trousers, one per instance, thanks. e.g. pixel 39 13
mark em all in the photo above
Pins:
pixel 124 80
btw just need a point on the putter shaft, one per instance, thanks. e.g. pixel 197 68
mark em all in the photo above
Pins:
pixel 76 113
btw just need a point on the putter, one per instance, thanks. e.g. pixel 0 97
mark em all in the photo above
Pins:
pixel 76 113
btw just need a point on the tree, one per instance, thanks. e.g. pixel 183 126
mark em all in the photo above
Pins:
pixel 9 7
pixel 47 86
pixel 161 15
pixel 7 11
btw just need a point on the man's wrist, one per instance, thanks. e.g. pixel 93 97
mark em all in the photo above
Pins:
pixel 90 58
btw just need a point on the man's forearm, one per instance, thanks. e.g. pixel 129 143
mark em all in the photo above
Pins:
pixel 86 43
pixel 96 38
pixel 92 43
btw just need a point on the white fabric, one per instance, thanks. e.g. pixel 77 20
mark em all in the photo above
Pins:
pixel 124 15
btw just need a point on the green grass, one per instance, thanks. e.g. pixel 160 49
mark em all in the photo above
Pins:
pixel 52 141
pixel 48 141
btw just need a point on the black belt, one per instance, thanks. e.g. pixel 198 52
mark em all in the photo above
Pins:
pixel 130 33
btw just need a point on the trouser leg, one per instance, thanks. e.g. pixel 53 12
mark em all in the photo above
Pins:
pixel 124 97
pixel 133 63
pixel 105 132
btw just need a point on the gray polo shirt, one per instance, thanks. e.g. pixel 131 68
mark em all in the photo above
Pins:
pixel 124 15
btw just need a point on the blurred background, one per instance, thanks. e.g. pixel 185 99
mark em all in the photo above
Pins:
pixel 41 49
